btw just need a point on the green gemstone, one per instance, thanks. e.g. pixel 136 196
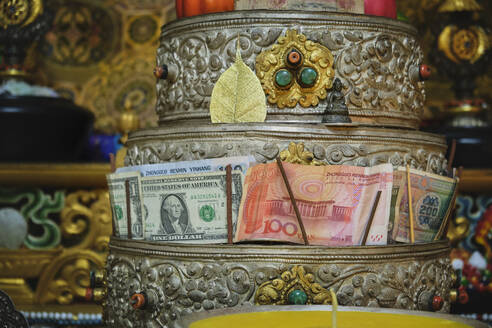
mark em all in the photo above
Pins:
pixel 297 297
pixel 283 78
pixel 487 273
pixel 308 76
pixel 464 281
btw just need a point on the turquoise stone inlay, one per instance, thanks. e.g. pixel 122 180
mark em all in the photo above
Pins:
pixel 308 76
pixel 283 78
pixel 297 297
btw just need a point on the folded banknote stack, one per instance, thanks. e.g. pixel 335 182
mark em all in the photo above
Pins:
pixel 331 205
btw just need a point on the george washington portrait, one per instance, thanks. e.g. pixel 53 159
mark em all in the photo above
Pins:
pixel 174 216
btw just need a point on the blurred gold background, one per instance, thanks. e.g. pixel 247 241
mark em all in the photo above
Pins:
pixel 101 54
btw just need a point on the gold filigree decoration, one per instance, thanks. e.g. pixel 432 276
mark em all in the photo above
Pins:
pixel 68 276
pixel 276 291
pixel 314 56
pixel 296 154
pixel 459 5
pixel 124 80
pixel 16 12
pixel 468 44
pixel 86 220
pixel 458 229
pixel 87 215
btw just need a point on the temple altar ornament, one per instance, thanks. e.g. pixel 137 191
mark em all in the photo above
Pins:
pixel 70 202
pixel 381 92
pixel 376 65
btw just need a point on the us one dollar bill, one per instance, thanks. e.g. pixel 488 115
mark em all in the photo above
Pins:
pixel 118 184
pixel 190 208
pixel 431 198
pixel 241 163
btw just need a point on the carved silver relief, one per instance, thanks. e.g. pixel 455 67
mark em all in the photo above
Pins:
pixel 374 60
pixel 361 147
pixel 358 155
pixel 189 280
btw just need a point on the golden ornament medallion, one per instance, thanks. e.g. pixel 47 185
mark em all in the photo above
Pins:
pixel 295 70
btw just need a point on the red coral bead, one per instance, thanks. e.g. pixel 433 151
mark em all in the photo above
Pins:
pixel 137 301
pixel 158 71
pixel 294 58
pixel 437 303
pixel 425 72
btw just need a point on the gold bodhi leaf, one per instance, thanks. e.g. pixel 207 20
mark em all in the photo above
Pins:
pixel 238 95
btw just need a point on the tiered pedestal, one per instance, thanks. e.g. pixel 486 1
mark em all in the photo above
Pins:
pixel 181 279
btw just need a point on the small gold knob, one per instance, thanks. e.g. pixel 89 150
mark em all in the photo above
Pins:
pixel 97 278
pixel 453 295
pixel 99 294
pixel 129 120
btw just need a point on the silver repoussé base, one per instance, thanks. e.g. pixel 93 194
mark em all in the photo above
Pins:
pixel 190 278
pixel 376 58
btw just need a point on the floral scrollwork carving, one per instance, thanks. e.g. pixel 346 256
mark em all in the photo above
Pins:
pixel 86 214
pixel 374 64
pixel 184 280
pixel 67 276
pixel 359 154
pixel 86 220
pixel 276 292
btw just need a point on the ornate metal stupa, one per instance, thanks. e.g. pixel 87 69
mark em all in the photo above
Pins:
pixel 378 65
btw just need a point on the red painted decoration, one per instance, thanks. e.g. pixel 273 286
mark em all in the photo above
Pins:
pixel 482 230
pixel 192 8
pixel 425 72
pixel 187 8
pixel 463 297
pixel 89 294
pixel 386 8
pixel 179 8
pixel 437 303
